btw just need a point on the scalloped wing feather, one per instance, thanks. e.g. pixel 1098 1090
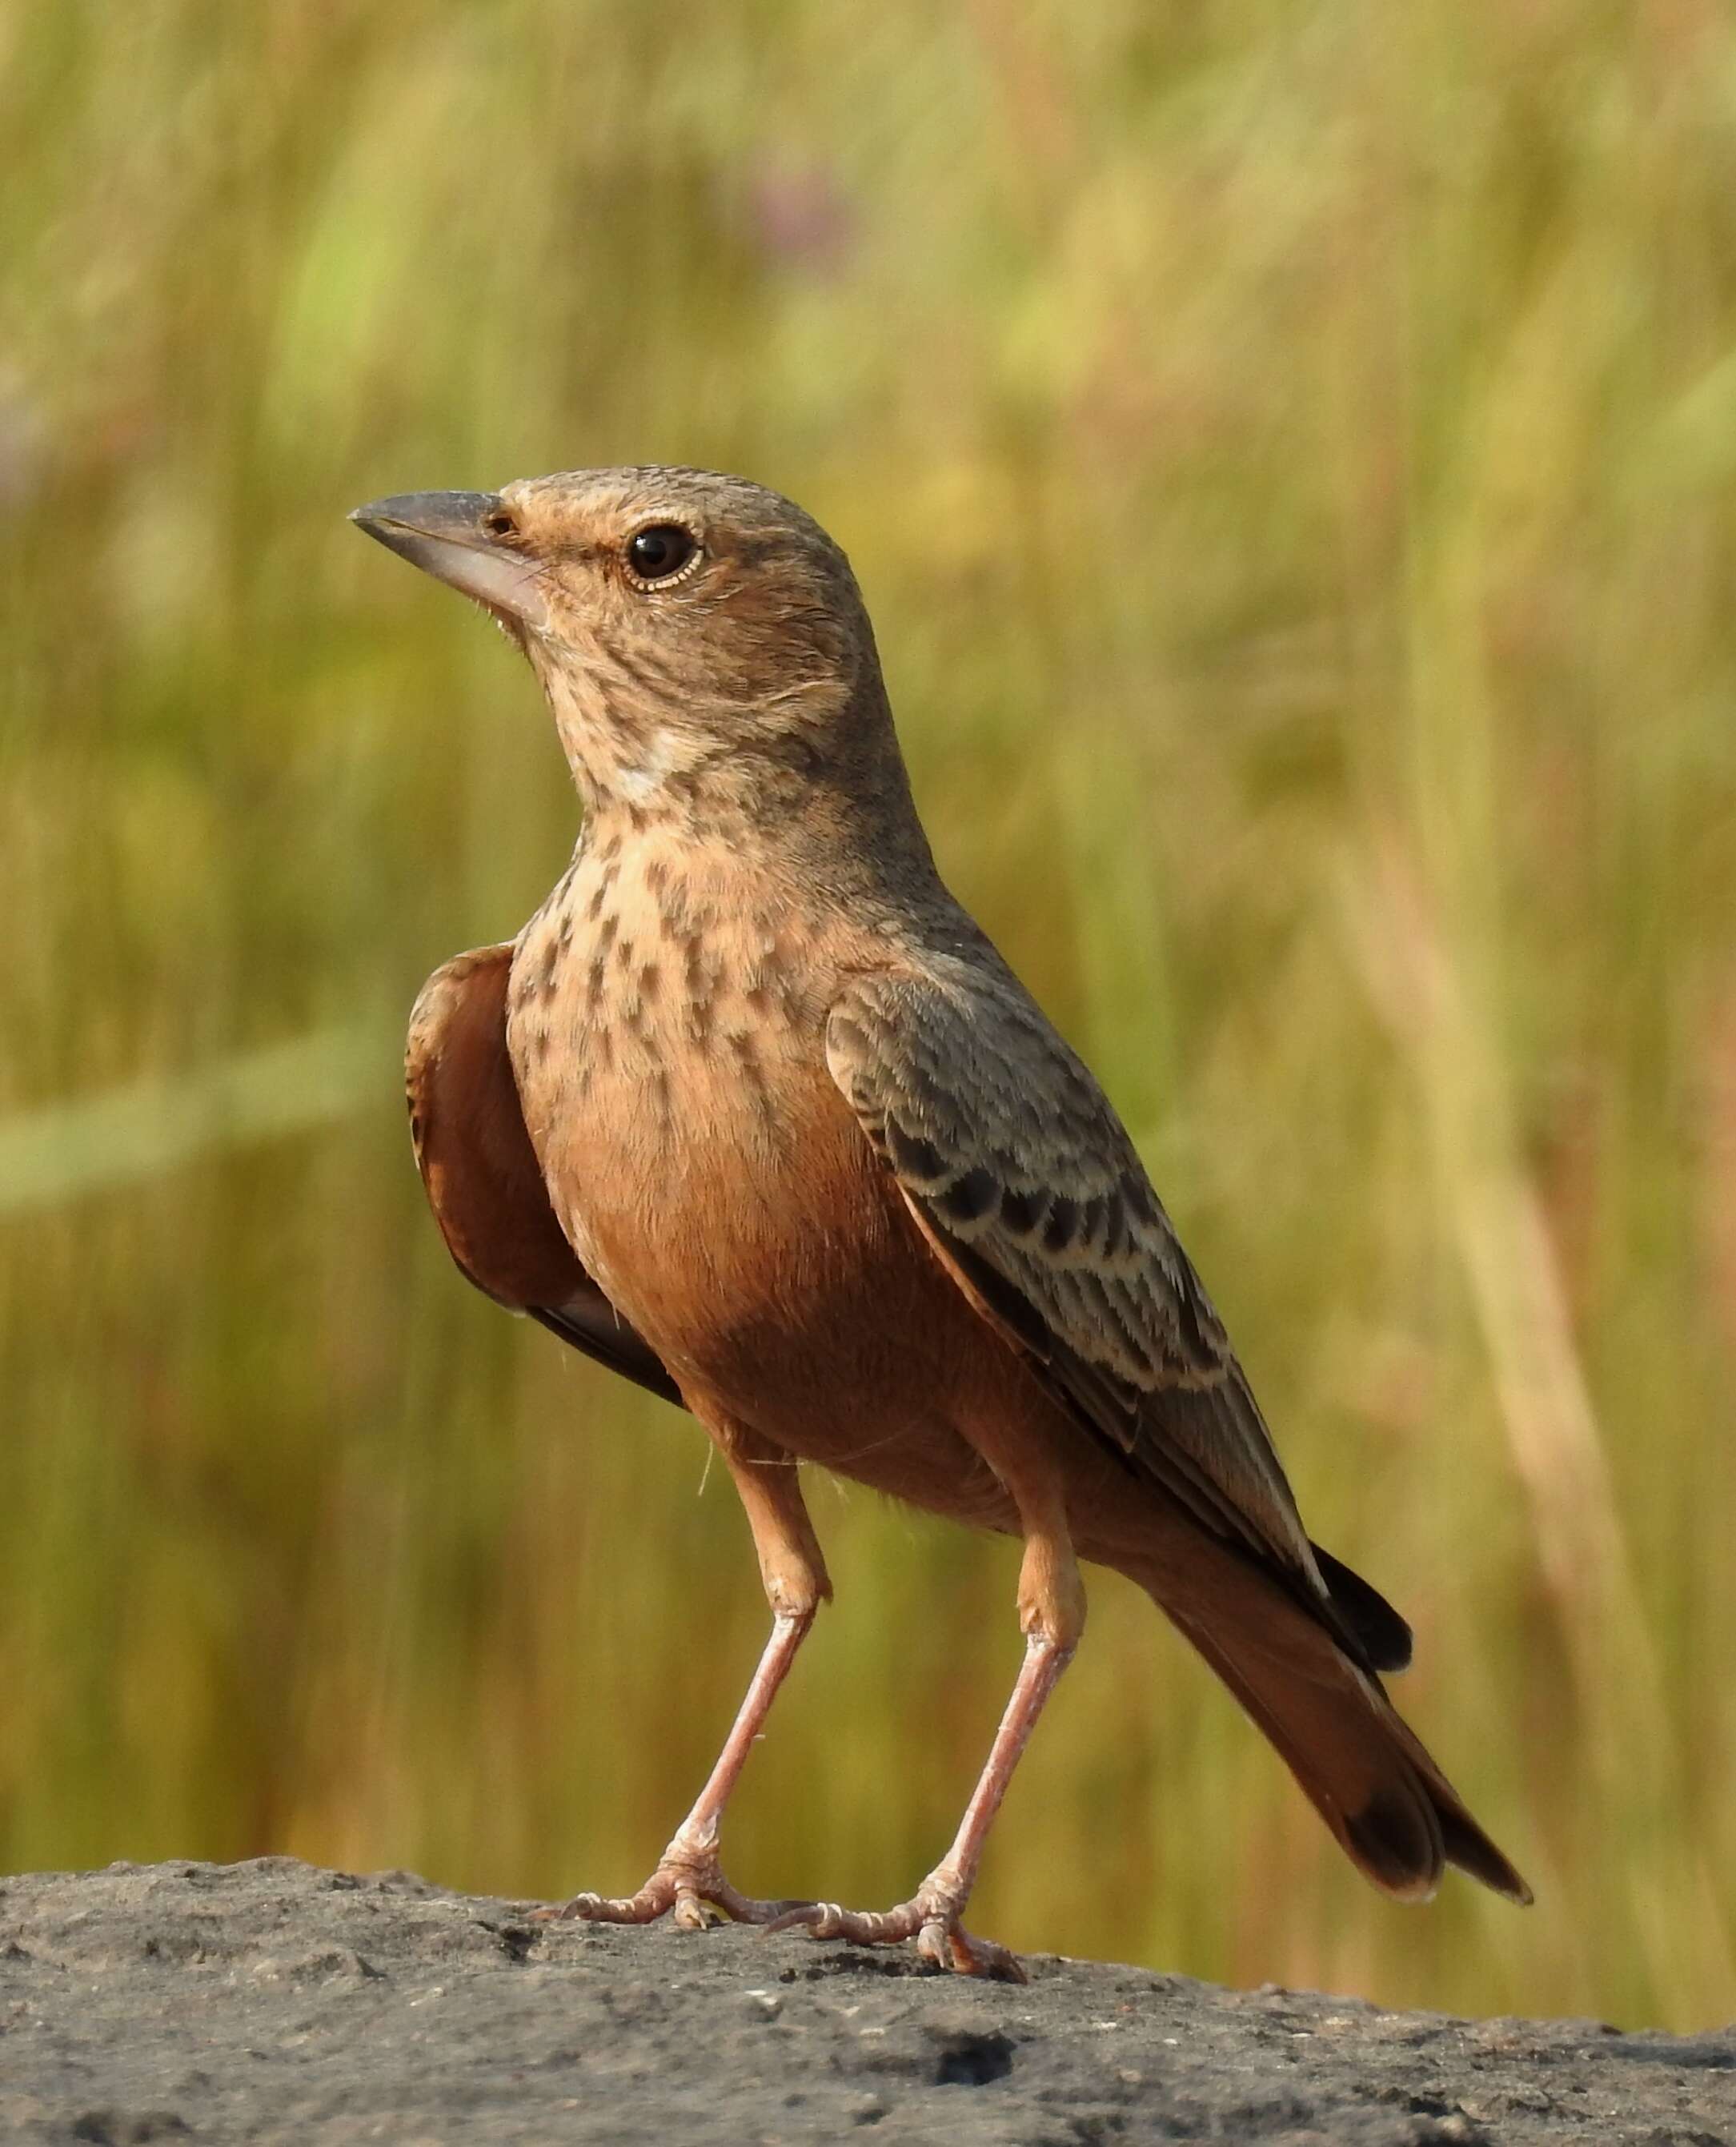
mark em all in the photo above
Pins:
pixel 1021 1176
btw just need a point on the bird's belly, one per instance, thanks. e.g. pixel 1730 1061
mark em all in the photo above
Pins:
pixel 744 1225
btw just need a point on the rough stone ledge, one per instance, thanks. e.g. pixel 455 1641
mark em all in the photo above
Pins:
pixel 270 2001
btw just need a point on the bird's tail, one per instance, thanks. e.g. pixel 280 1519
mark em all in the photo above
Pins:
pixel 1397 1816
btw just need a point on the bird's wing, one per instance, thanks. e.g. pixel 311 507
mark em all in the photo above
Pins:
pixel 1021 1175
pixel 481 1173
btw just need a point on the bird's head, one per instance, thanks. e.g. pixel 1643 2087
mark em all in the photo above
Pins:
pixel 693 632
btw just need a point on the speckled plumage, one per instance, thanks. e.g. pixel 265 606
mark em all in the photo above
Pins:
pixel 794 1144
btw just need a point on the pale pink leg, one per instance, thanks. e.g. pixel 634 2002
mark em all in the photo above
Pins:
pixel 1052 1614
pixel 688 1876
pixel 931 1914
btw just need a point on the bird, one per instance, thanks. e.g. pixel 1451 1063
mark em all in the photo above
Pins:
pixel 753 1112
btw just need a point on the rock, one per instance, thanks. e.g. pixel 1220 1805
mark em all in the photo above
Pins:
pixel 270 2001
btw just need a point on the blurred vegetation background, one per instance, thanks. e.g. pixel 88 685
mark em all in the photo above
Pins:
pixel 1288 450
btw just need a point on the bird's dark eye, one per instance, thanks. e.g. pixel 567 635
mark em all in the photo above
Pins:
pixel 660 551
pixel 500 523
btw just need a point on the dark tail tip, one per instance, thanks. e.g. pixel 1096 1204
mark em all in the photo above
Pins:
pixel 1402 1840
pixel 1471 1850
pixel 1396 1839
pixel 1385 1637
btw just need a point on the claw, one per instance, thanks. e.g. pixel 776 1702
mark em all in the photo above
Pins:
pixel 692 1913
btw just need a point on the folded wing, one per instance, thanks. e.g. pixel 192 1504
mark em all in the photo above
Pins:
pixel 1019 1172
pixel 481 1173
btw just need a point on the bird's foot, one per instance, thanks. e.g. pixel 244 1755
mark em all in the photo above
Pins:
pixel 930 1916
pixel 688 1886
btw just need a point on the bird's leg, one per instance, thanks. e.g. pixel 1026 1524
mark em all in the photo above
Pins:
pixel 688 1880
pixel 1051 1613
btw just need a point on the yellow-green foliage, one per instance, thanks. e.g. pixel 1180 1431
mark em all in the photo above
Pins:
pixel 1287 450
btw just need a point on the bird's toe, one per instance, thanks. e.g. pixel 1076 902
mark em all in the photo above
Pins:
pixel 930 1917
pixel 690 1890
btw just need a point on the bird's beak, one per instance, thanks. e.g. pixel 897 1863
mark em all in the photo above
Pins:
pixel 447 534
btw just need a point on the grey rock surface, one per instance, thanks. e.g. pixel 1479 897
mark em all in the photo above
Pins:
pixel 270 2001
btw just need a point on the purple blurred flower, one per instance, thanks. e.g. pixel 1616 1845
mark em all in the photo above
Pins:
pixel 799 217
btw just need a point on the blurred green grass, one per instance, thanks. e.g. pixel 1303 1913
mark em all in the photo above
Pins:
pixel 1289 451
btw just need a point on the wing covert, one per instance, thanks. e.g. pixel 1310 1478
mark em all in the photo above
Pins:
pixel 1018 1171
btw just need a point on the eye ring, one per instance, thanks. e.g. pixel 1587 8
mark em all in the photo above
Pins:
pixel 501 523
pixel 662 553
